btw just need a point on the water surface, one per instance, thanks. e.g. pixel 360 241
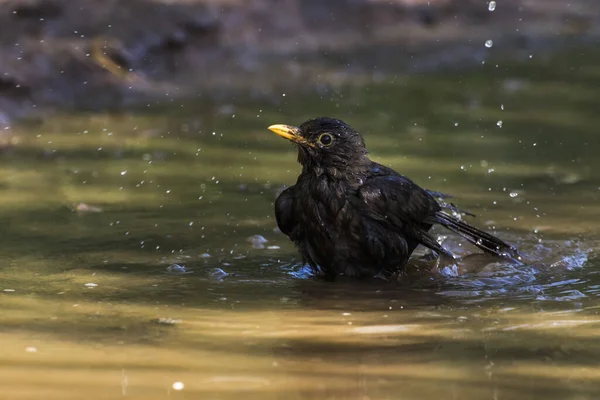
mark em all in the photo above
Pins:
pixel 97 209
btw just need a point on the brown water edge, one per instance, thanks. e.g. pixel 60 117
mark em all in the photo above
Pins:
pixel 294 353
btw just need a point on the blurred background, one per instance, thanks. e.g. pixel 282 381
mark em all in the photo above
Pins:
pixel 101 55
pixel 140 257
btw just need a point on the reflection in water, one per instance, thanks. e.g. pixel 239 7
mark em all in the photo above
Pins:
pixel 140 256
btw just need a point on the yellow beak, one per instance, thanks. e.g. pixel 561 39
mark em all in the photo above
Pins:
pixel 289 132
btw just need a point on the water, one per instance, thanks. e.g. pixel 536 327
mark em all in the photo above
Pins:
pixel 140 257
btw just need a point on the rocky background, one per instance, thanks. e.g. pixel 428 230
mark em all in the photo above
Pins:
pixel 107 54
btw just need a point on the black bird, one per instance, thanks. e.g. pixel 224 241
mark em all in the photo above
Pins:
pixel 351 216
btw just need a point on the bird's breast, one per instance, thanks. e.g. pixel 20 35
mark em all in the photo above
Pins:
pixel 328 211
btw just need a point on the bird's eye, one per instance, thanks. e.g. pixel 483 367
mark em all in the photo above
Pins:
pixel 325 139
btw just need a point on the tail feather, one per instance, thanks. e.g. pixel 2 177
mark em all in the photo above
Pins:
pixel 483 240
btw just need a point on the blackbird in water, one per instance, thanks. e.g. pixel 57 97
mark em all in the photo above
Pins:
pixel 351 216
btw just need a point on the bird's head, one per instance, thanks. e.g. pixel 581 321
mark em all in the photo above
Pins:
pixel 325 144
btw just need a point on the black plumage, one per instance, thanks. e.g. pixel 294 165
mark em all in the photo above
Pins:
pixel 351 216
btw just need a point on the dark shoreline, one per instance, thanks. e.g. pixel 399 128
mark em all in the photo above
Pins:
pixel 99 55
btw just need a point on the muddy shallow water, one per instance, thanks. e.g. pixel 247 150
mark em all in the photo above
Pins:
pixel 97 209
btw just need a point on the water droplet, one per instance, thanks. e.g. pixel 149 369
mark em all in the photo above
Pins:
pixel 489 43
pixel 492 6
pixel 499 123
pixel 177 269
pixel 513 194
pixel 217 274
pixel 123 172
pixel 257 241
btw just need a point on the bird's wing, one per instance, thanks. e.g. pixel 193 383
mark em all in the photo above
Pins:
pixel 406 207
pixel 412 210
pixel 284 211
pixel 440 197
pixel 398 198
pixel 381 170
